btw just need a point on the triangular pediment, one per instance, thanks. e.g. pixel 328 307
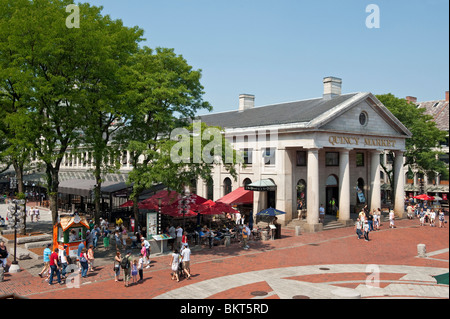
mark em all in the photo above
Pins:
pixel 363 114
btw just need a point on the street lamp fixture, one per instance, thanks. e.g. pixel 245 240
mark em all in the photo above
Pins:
pixel 16 213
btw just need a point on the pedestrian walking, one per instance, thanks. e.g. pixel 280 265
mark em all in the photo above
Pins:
pixel 3 254
pixel 179 232
pixel 358 228
pixel 391 219
pixel 63 261
pixel 147 247
pixel 321 214
pixel 46 259
pixel 126 267
pixel 96 235
pixel 441 219
pixel 186 260
pixel 141 267
pixel 245 234
pixel 370 221
pixel 84 262
pixel 421 217
pixel 366 229
pixel 144 252
pixel 105 240
pixel 90 254
pixel 117 239
pixel 432 218
pixel 54 268
pixel 134 270
pixel 376 221
pixel 175 264
pixel 117 262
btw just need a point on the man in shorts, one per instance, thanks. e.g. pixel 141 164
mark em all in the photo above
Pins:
pixel 186 259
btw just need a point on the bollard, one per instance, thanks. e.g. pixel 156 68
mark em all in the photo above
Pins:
pixel 421 250
pixel 345 293
pixel 297 230
pixel 227 240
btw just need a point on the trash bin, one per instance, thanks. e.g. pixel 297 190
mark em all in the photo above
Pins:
pixel 278 232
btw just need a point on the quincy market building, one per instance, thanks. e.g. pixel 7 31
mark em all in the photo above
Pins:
pixel 311 151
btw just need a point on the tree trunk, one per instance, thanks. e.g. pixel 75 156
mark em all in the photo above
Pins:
pixel 97 193
pixel 53 184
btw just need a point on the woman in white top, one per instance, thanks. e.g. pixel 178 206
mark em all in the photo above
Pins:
pixel 175 264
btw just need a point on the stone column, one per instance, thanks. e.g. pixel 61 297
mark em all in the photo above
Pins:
pixel 284 189
pixel 312 218
pixel 399 184
pixel 344 187
pixel 375 182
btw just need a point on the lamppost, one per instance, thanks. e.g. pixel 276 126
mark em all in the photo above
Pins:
pixel 16 213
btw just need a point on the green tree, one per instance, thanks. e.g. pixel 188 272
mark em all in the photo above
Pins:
pixel 422 149
pixel 164 94
pixel 58 69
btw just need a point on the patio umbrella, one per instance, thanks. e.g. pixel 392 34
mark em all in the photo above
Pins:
pixel 424 197
pixel 215 208
pixel 442 279
pixel 127 204
pixel 167 198
pixel 270 212
pixel 437 198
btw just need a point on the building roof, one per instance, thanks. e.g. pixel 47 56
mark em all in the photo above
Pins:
pixel 439 111
pixel 284 113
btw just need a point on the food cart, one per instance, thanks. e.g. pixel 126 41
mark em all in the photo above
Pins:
pixel 70 231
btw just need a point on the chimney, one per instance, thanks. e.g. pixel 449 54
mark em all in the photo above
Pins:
pixel 446 96
pixel 246 102
pixel 411 99
pixel 331 87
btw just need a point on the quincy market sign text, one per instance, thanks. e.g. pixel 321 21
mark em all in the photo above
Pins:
pixel 360 141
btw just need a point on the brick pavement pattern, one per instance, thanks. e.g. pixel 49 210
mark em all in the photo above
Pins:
pixel 310 263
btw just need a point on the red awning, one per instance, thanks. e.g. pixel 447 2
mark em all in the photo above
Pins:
pixel 237 197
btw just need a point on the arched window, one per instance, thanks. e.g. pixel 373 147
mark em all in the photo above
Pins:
pixel 227 186
pixel 246 182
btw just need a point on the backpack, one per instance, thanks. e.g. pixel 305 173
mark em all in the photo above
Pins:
pixel 125 263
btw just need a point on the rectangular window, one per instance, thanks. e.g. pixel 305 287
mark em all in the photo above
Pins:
pixel 332 159
pixel 360 159
pixel 301 158
pixel 248 156
pixel 389 158
pixel 269 156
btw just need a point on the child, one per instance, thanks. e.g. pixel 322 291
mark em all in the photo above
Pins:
pixel 141 267
pixel 134 270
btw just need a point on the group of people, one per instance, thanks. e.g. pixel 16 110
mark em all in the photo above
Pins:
pixel 56 262
pixel 426 215
pixel 180 263
pixel 369 221
pixel 34 214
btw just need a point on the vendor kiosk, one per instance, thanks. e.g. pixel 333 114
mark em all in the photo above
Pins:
pixel 70 231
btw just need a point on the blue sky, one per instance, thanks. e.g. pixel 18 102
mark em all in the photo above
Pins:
pixel 281 50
